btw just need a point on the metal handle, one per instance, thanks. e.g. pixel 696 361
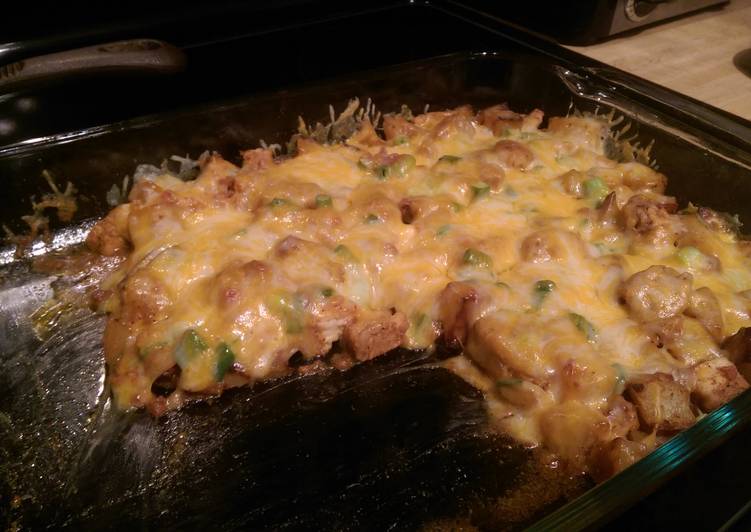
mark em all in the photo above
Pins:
pixel 138 56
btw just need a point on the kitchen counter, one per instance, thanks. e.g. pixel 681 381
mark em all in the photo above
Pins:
pixel 692 55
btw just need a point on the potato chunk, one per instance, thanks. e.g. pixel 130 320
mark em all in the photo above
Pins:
pixel 717 382
pixel 661 403
pixel 610 458
pixel 704 306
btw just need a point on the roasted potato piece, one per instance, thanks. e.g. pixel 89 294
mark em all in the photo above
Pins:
pixel 691 343
pixel 505 346
pixel 662 403
pixel 622 418
pixel 717 382
pixel 571 430
pixel 657 293
pixel 704 306
pixel 738 348
pixel 612 457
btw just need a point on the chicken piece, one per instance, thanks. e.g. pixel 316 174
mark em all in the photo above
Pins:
pixel 499 119
pixel 704 306
pixel 662 403
pixel 552 245
pixel 648 218
pixel 611 457
pixel 375 333
pixel 239 281
pixel 657 293
pixel 109 237
pixel 717 382
pixel 454 304
pixel 325 321
pixel 144 298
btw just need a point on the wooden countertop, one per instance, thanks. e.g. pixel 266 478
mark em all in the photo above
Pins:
pixel 693 55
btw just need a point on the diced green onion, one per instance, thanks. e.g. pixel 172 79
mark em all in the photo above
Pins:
pixel 403 166
pixel 372 219
pixel 449 159
pixel 477 258
pixel 327 292
pixel 276 202
pixel 382 172
pixel 401 139
pixel 541 290
pixel 345 253
pixel 323 200
pixel 443 230
pixel 596 189
pixel 690 256
pixel 399 168
pixel 456 206
pixel 502 383
pixel 189 347
pixel 285 306
pixel 480 189
pixel 224 360
pixel 584 326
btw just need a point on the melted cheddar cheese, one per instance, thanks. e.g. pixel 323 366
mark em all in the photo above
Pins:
pixel 565 281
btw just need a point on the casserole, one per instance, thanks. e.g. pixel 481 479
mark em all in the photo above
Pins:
pixel 131 468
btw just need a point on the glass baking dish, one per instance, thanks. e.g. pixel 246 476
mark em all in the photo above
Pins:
pixel 393 444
